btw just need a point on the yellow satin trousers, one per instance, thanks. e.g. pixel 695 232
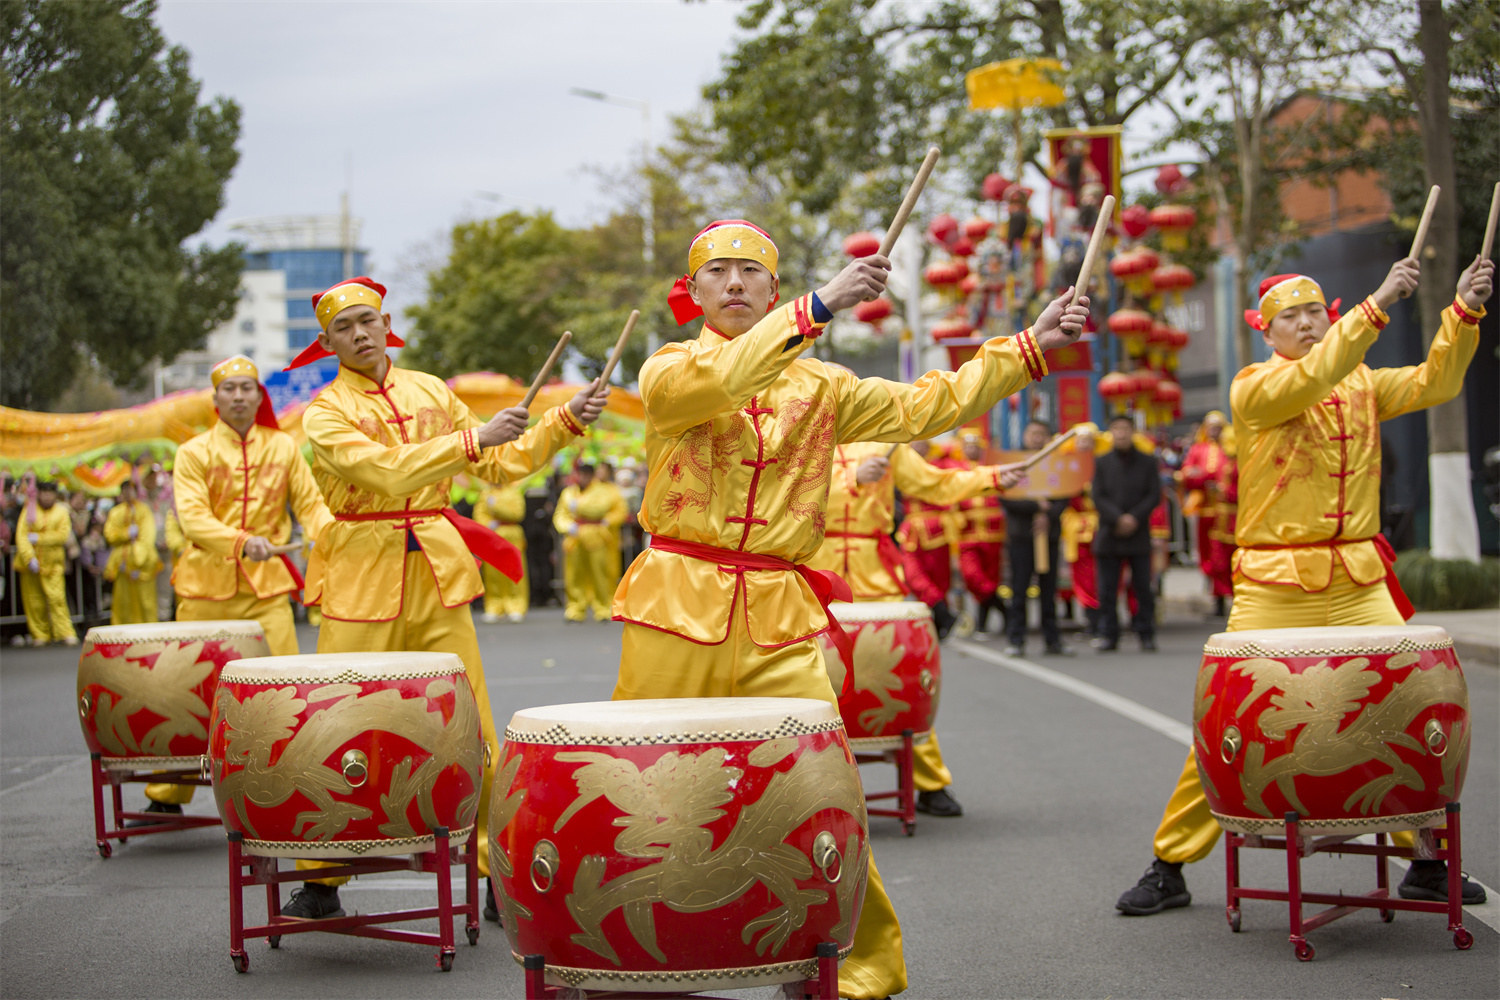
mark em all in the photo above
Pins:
pixel 1188 831
pixel 590 573
pixel 424 626
pixel 275 617
pixel 928 771
pixel 502 596
pixel 657 664
pixel 45 597
pixel 134 601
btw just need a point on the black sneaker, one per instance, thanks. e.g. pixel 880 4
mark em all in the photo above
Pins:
pixel 1014 649
pixel 164 808
pixel 313 901
pixel 939 803
pixel 1148 644
pixel 943 619
pixel 1104 644
pixel 1161 888
pixel 1429 880
pixel 491 911
pixel 1058 649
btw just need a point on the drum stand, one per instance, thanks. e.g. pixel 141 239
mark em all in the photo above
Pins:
pixel 114 777
pixel 439 861
pixel 1340 905
pixel 906 791
pixel 825 987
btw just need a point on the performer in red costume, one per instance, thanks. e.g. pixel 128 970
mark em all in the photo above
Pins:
pixel 926 533
pixel 980 542
pixel 1200 477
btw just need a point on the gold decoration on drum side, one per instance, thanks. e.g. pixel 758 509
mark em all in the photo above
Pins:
pixel 876 657
pixel 165 689
pixel 1203 700
pixel 667 807
pixel 504 806
pixel 267 717
pixel 1317 700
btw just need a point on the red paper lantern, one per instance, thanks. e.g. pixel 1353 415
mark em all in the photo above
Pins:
pixel 994 187
pixel 1169 179
pixel 1116 388
pixel 861 245
pixel 1134 268
pixel 1136 219
pixel 942 229
pixel 969 285
pixel 952 328
pixel 977 229
pixel 1174 221
pixel 1132 326
pixel 962 247
pixel 946 272
pixel 1174 279
pixel 1168 392
pixel 873 311
pixel 1145 385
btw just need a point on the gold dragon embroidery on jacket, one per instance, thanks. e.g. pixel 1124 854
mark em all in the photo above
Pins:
pixel 807 428
pixel 701 456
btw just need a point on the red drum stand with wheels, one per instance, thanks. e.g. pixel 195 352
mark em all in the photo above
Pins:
pixel 1297 847
pixel 825 987
pixel 112 778
pixel 246 869
pixel 905 793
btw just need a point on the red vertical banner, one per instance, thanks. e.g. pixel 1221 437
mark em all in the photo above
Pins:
pixel 1072 401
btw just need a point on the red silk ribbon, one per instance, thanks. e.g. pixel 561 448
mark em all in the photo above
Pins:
pixel 481 541
pixel 291 568
pixel 826 586
pixel 313 352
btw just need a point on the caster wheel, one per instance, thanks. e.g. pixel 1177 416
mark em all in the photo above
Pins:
pixel 104 849
pixel 1387 915
pixel 445 961
pixel 1234 920
pixel 910 829
pixel 1305 951
pixel 473 933
pixel 241 962
pixel 274 940
pixel 1462 939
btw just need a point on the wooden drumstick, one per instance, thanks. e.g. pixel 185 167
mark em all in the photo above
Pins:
pixel 282 550
pixel 1489 229
pixel 1421 238
pixel 541 376
pixel 1051 446
pixel 1040 556
pixel 614 356
pixel 909 202
pixel 1106 213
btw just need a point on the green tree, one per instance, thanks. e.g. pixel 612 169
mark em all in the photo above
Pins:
pixel 109 164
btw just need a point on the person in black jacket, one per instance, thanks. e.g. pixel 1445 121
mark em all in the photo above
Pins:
pixel 1127 487
pixel 1023 520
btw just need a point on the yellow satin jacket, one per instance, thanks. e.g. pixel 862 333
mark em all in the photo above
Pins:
pixel 51 547
pixel 384 456
pixel 860 515
pixel 595 513
pixel 136 559
pixel 740 437
pixel 229 488
pixel 1309 447
pixel 502 509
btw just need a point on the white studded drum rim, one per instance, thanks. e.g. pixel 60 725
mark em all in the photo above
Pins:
pixel 111 635
pixel 327 668
pixel 665 716
pixel 880 611
pixel 1333 640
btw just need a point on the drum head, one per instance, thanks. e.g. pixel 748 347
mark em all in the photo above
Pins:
pixel 108 635
pixel 324 668
pixel 672 720
pixel 881 611
pixel 1328 641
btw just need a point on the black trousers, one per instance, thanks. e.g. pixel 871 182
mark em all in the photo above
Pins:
pixel 1144 621
pixel 1022 558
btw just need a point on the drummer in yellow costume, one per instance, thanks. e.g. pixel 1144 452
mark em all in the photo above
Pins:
pixel 502 509
pixel 740 435
pixel 395 571
pixel 130 530
pixel 1307 432
pixel 857 546
pixel 588 517
pixel 41 561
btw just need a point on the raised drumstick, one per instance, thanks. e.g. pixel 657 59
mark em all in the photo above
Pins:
pixel 910 201
pixel 614 356
pixel 541 376
pixel 1416 244
pixel 1489 229
pixel 1106 212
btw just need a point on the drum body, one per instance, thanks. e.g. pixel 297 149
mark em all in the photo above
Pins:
pixel 898 672
pixel 144 691
pixel 678 845
pixel 346 754
pixel 1355 729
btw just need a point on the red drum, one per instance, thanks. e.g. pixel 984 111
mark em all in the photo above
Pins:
pixel 1355 729
pixel 678 845
pixel 144 691
pixel 898 672
pixel 346 754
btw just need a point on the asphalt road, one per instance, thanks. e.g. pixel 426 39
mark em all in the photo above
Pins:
pixel 1062 785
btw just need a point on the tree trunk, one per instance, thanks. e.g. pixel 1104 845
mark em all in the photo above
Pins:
pixel 1455 527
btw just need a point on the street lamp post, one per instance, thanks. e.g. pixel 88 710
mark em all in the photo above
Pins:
pixel 648 209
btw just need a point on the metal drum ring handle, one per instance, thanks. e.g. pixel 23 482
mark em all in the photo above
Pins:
pixel 1230 745
pixel 826 855
pixel 546 858
pixel 356 768
pixel 1436 739
pixel 205 771
pixel 85 704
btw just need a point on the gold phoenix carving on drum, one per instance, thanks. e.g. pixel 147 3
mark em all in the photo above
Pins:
pixel 1318 699
pixel 876 657
pixel 257 724
pixel 667 807
pixel 165 689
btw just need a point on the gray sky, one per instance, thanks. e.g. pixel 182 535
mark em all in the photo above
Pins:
pixel 439 101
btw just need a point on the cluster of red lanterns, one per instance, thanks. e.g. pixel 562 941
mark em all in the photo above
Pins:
pixel 1155 394
pixel 876 311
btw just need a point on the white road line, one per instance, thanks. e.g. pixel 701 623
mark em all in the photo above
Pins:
pixel 1487 913
pixel 43 777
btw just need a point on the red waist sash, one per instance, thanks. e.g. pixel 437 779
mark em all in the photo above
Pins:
pixel 1387 556
pixel 885 550
pixel 481 541
pixel 827 587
